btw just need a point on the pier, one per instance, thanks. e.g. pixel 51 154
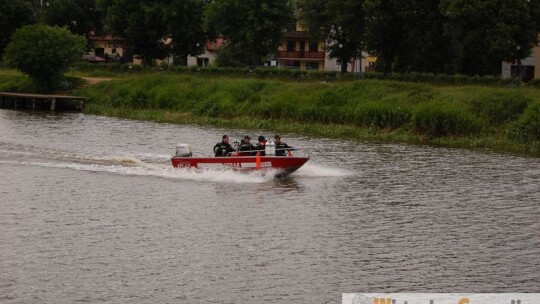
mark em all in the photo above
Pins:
pixel 41 101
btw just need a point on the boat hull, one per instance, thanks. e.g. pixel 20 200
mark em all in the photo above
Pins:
pixel 284 165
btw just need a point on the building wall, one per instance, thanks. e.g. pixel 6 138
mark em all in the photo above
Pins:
pixel 210 55
pixel 331 64
pixel 108 47
pixel 536 54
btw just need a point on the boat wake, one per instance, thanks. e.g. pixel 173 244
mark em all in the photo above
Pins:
pixel 137 168
pixel 145 164
pixel 315 170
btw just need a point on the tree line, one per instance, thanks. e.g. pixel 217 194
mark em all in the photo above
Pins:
pixel 432 36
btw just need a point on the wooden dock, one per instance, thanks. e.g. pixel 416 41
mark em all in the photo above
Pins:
pixel 41 101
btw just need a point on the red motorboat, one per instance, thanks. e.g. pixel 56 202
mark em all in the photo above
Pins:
pixel 284 165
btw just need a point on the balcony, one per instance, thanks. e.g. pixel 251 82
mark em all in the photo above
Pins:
pixel 300 55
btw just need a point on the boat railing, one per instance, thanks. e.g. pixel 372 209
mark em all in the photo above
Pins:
pixel 290 152
pixel 255 152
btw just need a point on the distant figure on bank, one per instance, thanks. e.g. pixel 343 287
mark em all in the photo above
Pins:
pixel 246 148
pixel 282 149
pixel 261 145
pixel 223 148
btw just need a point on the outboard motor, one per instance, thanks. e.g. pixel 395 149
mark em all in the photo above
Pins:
pixel 183 150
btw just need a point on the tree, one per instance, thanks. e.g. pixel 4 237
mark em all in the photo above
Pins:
pixel 79 16
pixel 535 13
pixel 184 19
pixel 255 27
pixel 385 30
pixel 424 47
pixel 14 14
pixel 339 22
pixel 142 24
pixel 44 53
pixel 487 32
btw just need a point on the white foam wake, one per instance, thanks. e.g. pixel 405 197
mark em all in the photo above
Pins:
pixel 314 170
pixel 222 175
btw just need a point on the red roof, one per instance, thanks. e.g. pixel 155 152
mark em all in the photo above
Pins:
pixel 215 45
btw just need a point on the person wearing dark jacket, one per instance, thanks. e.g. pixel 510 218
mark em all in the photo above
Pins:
pixel 246 148
pixel 261 145
pixel 223 148
pixel 281 148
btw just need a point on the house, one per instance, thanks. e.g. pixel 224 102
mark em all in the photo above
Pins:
pixel 209 55
pixel 300 51
pixel 108 47
pixel 526 69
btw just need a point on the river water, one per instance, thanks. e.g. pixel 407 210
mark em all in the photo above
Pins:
pixel 92 211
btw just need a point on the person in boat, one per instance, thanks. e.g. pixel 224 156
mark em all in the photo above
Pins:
pixel 246 148
pixel 261 145
pixel 223 148
pixel 282 149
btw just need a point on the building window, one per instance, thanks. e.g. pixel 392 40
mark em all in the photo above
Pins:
pixel 113 51
pixel 291 46
pixel 100 52
pixel 202 62
pixel 314 47
pixel 292 64
pixel 302 46
pixel 310 65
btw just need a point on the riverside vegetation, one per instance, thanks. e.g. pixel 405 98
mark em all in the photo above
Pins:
pixel 469 116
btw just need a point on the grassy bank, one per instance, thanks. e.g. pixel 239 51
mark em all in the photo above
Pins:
pixel 474 117
pixel 14 81
pixel 467 116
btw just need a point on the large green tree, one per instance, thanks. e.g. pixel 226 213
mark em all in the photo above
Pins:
pixel 424 46
pixel 253 28
pixel 142 24
pixel 385 30
pixel 79 16
pixel 44 53
pixel 14 14
pixel 339 22
pixel 184 20
pixel 486 32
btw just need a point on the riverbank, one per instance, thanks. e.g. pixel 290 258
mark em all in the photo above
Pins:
pixel 473 117
pixel 465 116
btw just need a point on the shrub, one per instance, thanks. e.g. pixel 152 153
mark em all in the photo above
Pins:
pixel 444 119
pixel 527 128
pixel 383 116
pixel 534 83
pixel 499 108
pixel 57 50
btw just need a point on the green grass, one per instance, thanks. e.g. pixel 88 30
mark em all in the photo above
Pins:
pixel 14 81
pixel 476 117
pixel 467 116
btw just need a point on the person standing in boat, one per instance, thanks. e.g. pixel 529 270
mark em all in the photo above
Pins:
pixel 282 149
pixel 246 148
pixel 223 148
pixel 261 145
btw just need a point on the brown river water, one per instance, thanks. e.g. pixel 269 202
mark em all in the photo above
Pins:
pixel 92 211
